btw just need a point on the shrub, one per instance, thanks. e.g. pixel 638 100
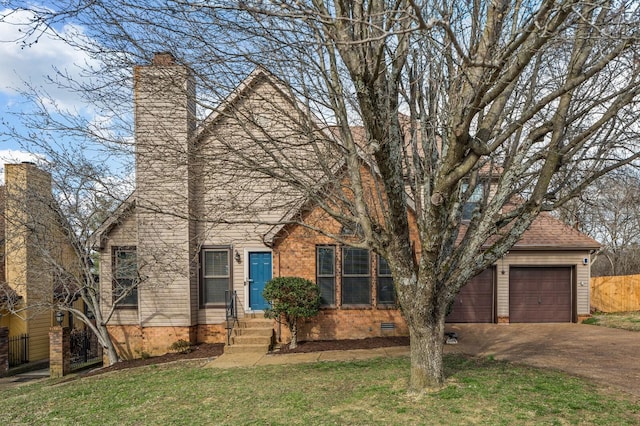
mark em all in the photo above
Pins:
pixel 181 346
pixel 293 298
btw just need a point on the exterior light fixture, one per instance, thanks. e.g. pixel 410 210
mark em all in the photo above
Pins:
pixel 59 317
pixel 237 257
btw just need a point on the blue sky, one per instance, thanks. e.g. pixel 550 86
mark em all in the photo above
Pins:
pixel 32 64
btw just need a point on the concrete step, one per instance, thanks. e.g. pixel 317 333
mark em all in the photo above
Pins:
pixel 246 348
pixel 265 332
pixel 251 335
pixel 255 323
pixel 250 339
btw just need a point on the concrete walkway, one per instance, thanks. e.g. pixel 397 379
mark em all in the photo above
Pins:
pixel 22 378
pixel 607 356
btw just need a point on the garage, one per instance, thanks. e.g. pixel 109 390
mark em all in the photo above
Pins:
pixel 476 300
pixel 542 294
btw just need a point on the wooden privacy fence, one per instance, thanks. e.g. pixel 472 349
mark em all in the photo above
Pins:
pixel 615 294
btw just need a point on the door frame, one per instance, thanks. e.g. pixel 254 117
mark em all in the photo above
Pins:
pixel 246 251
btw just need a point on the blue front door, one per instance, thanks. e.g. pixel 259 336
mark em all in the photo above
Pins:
pixel 259 274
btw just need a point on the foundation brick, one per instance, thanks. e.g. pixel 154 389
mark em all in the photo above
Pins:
pixel 132 341
pixel 581 318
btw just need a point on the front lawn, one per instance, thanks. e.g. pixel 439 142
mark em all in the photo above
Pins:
pixel 624 320
pixel 363 392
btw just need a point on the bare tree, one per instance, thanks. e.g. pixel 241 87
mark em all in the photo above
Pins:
pixel 609 210
pixel 48 244
pixel 499 109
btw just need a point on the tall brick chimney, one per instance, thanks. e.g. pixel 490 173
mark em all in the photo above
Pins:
pixel 164 107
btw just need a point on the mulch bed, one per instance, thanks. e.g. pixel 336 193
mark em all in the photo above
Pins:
pixel 201 351
pixel 345 345
pixel 213 350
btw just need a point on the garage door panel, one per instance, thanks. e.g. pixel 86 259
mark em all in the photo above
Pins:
pixel 475 301
pixel 540 294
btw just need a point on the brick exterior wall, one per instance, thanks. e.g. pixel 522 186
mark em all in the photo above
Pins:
pixel 59 352
pixel 4 351
pixel 295 255
pixel 134 341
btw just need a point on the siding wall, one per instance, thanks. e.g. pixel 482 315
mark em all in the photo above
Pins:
pixel 123 234
pixel 230 184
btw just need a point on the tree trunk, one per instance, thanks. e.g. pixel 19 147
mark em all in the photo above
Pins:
pixel 294 334
pixel 107 344
pixel 427 340
pixel 105 341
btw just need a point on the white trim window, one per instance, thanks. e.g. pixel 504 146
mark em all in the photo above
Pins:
pixel 216 275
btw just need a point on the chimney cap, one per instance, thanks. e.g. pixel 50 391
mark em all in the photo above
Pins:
pixel 163 58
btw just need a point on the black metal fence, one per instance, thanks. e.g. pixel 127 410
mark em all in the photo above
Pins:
pixel 18 350
pixel 84 348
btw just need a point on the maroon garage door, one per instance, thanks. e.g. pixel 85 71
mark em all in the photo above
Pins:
pixel 475 301
pixel 540 294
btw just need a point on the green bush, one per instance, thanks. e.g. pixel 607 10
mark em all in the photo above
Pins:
pixel 293 298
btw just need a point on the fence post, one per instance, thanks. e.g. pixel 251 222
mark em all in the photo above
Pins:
pixel 59 352
pixel 4 351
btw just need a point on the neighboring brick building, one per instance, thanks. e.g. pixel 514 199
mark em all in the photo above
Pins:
pixel 185 236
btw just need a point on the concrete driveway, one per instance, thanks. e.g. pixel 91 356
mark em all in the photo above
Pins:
pixel 608 356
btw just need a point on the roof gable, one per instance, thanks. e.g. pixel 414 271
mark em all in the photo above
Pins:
pixel 125 208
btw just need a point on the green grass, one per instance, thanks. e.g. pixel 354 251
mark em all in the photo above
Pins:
pixel 624 320
pixel 364 392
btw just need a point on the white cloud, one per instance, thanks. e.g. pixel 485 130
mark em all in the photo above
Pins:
pixel 33 62
pixel 10 156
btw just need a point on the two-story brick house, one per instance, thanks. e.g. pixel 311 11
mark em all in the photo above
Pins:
pixel 186 235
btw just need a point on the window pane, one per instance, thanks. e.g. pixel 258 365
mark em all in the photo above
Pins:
pixel 474 200
pixel 126 264
pixel 355 291
pixel 125 276
pixel 216 263
pixel 326 261
pixel 386 293
pixel 356 261
pixel 325 274
pixel 327 290
pixel 383 266
pixel 131 298
pixel 214 289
